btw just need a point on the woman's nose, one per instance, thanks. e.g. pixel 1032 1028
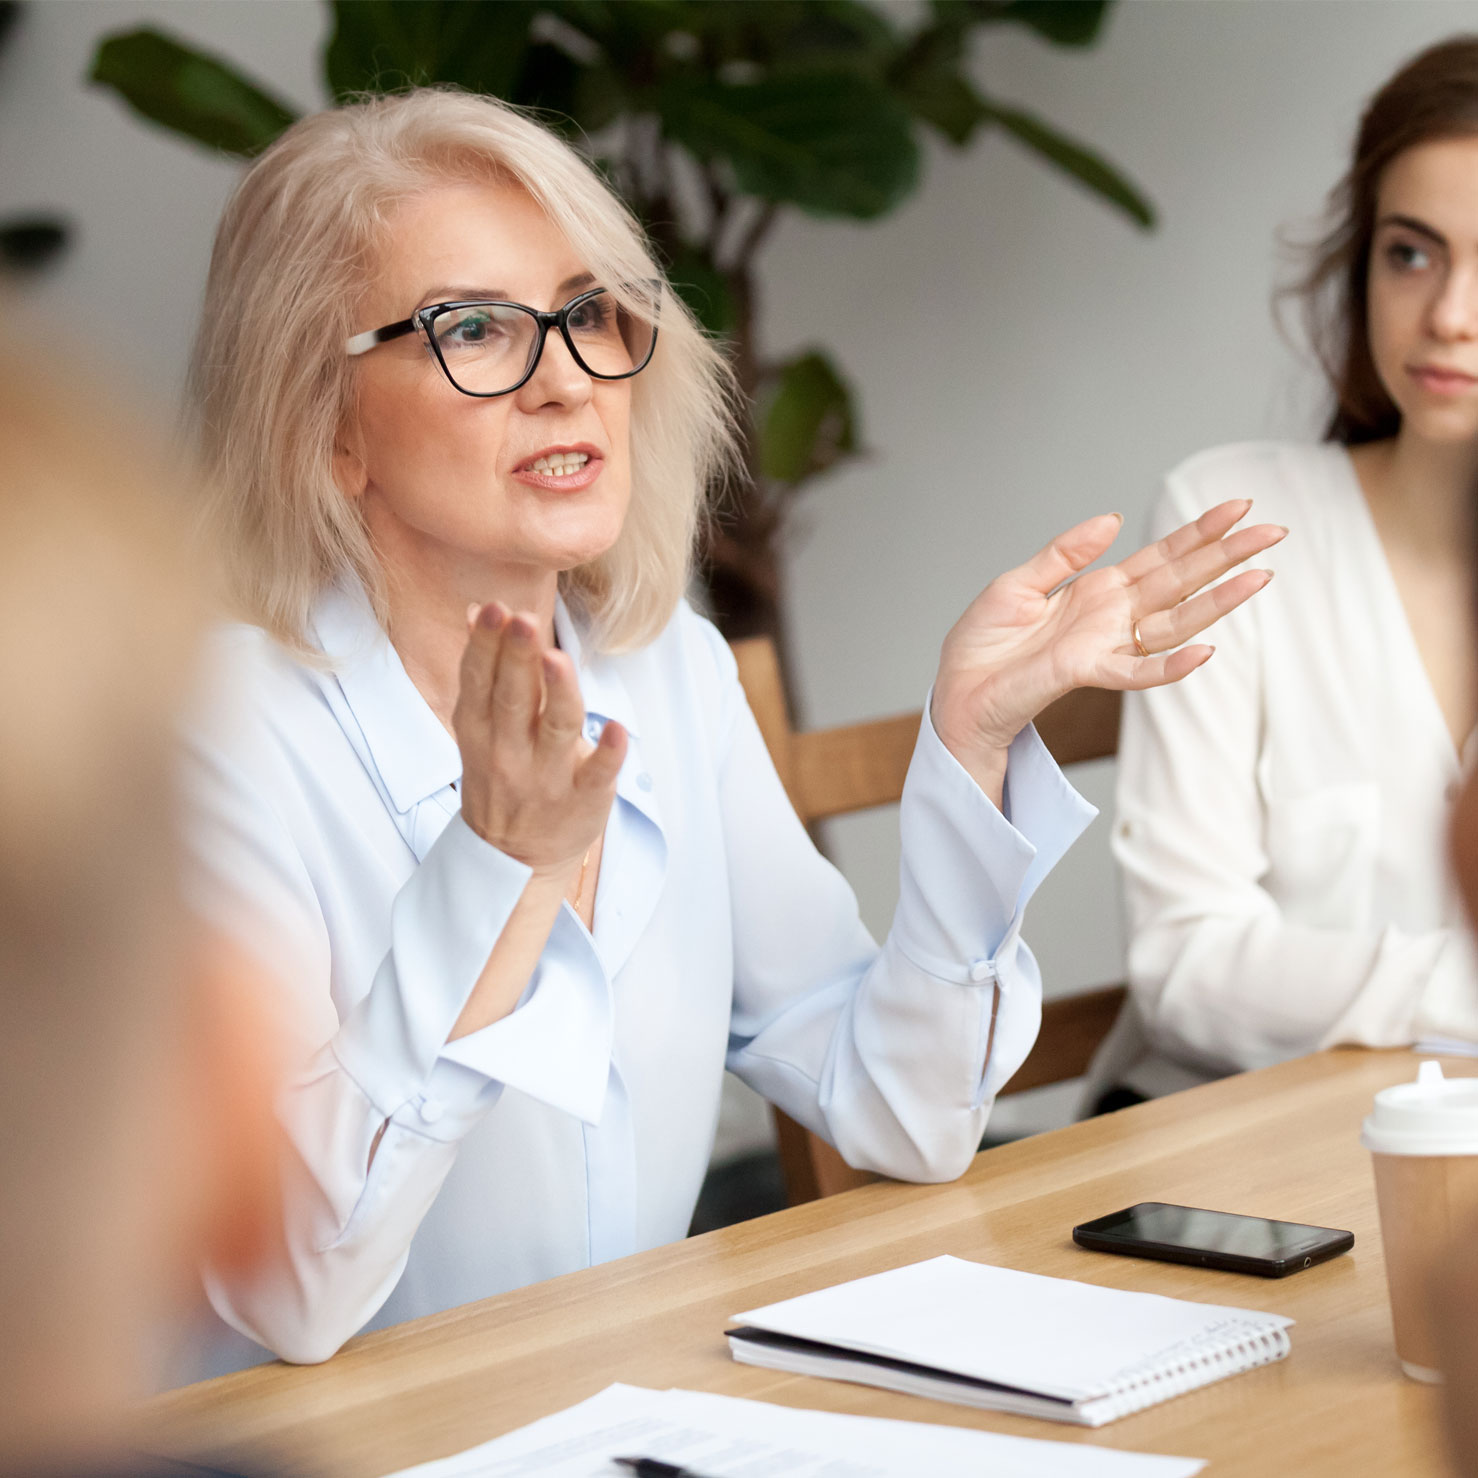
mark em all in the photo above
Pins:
pixel 1454 313
pixel 557 378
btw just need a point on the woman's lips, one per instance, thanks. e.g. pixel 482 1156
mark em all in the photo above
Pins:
pixel 1442 381
pixel 563 482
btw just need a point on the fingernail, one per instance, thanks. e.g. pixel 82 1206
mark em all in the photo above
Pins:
pixel 550 666
pixel 1284 530
pixel 521 629
pixel 1267 575
pixel 472 611
pixel 491 617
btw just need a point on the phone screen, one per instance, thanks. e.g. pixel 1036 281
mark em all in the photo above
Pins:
pixel 1211 1231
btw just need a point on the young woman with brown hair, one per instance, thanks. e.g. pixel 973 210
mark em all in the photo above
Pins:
pixel 1281 818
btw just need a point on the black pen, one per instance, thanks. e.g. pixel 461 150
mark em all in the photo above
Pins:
pixel 651 1467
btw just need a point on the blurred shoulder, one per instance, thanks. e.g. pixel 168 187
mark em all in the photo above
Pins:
pixel 1286 480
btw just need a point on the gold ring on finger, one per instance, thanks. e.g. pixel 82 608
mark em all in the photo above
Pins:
pixel 1139 645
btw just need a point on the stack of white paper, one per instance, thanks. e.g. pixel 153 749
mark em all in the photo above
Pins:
pixel 723 1437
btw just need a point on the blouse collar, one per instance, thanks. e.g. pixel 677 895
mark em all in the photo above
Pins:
pixel 414 754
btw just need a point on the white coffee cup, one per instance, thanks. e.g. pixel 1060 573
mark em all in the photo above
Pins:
pixel 1423 1139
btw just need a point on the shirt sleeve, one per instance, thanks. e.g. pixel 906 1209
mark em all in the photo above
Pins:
pixel 1220 977
pixel 883 1051
pixel 378 1083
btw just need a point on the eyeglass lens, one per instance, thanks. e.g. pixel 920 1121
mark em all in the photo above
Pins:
pixel 488 348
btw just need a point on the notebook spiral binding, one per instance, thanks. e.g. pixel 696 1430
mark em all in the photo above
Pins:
pixel 1246 1349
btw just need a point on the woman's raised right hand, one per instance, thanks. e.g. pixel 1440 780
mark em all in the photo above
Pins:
pixel 531 785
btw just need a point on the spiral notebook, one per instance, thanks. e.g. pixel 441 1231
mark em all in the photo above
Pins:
pixel 1007 1341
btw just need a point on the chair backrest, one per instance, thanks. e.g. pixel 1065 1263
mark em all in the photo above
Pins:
pixel 854 767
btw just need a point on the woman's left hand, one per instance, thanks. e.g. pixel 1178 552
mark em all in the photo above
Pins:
pixel 1028 637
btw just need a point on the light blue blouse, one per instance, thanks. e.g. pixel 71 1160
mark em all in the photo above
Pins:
pixel 578 1128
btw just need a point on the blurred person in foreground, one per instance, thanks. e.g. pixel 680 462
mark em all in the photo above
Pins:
pixel 135 1063
pixel 1281 821
pixel 496 809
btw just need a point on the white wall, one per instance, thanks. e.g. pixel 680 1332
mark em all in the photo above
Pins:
pixel 1024 357
pixel 145 202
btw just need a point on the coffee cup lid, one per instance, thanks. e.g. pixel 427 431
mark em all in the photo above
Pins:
pixel 1433 1116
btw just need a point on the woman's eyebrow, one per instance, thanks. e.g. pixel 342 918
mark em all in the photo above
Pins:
pixel 1410 223
pixel 456 292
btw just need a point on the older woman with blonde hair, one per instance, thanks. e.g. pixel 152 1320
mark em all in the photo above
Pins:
pixel 489 798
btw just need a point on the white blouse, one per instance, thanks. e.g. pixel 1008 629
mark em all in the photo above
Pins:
pixel 1282 813
pixel 578 1128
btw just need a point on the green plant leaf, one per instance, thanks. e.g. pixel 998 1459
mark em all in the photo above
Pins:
pixel 9 13
pixel 1082 163
pixel 576 97
pixel 627 30
pixel 767 34
pixel 385 45
pixel 823 33
pixel 189 92
pixel 29 243
pixel 600 97
pixel 809 421
pixel 833 143
pixel 927 77
pixel 700 284
pixel 1063 22
pixel 951 105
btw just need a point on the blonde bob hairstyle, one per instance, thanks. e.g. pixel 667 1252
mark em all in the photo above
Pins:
pixel 271 384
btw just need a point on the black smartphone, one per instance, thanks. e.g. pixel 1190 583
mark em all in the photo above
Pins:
pixel 1213 1239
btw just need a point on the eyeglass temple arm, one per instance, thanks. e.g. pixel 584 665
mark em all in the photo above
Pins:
pixel 363 343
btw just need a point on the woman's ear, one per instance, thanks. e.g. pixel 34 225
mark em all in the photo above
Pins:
pixel 350 474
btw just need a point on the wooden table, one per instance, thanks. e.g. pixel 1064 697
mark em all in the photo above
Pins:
pixel 1283 1143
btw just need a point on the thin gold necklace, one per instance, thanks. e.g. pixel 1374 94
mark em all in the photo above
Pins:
pixel 580 886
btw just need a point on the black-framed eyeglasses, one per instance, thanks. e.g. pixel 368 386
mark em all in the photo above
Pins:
pixel 486 347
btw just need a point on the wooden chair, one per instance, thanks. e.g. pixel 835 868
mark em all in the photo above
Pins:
pixel 831 772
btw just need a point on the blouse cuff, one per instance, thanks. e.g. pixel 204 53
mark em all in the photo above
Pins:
pixel 443 924
pixel 556 1045
pixel 968 871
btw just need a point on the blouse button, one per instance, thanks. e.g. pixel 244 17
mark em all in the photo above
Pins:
pixel 644 781
pixel 431 1111
pixel 592 730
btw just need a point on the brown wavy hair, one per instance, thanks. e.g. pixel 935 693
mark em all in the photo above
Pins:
pixel 1434 96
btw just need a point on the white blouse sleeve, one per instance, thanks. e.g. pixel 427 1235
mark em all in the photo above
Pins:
pixel 883 1052
pixel 1219 975
pixel 384 1071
